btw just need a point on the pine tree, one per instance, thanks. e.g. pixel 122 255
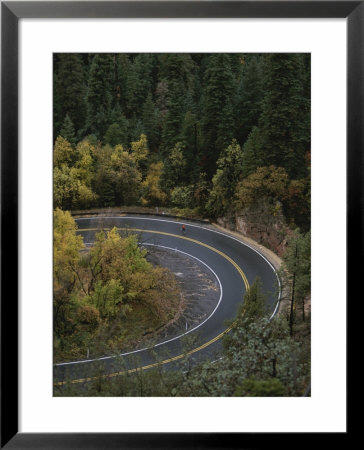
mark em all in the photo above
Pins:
pixel 104 187
pixel 218 120
pixel 121 68
pixel 135 128
pixel 176 72
pixel 251 387
pixel 173 121
pixel 248 106
pixel 139 83
pixel 68 131
pixel 69 91
pixel 225 180
pixel 174 171
pixel 100 94
pixel 150 125
pixel 282 138
pixel 118 117
pixel 190 137
pixel 255 303
pixel 177 68
pixel 297 272
pixel 115 135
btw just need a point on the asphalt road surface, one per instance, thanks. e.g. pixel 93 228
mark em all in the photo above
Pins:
pixel 234 264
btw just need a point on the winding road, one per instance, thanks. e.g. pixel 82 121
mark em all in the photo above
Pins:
pixel 234 264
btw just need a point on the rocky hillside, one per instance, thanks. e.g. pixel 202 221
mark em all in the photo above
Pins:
pixel 261 222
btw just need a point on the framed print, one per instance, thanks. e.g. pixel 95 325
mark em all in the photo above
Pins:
pixel 151 130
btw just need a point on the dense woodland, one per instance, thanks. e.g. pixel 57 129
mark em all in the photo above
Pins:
pixel 260 357
pixel 208 135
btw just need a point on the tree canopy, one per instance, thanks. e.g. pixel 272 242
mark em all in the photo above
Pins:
pixel 208 134
pixel 180 119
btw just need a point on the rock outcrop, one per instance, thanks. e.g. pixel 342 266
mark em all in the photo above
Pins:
pixel 263 222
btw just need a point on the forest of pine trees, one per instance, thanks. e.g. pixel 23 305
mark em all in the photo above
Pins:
pixel 202 132
pixel 209 135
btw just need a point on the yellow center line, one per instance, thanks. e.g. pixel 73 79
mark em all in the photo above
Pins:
pixel 174 358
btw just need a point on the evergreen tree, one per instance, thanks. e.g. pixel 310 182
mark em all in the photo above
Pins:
pixel 135 128
pixel 174 171
pixel 177 72
pixel 100 94
pixel 297 272
pixel 161 99
pixel 263 349
pixel 200 102
pixel 118 117
pixel 115 135
pixel 177 68
pixel 253 158
pixel 161 104
pixel 150 125
pixel 104 186
pixel 225 180
pixel 282 138
pixel 218 121
pixel 191 141
pixel 251 387
pixel 173 121
pixel 139 83
pixel 255 303
pixel 69 91
pixel 68 131
pixel 248 106
pixel 121 67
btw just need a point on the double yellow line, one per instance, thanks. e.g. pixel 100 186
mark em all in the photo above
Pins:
pixel 175 358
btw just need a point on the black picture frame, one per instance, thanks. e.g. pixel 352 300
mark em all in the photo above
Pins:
pixel 11 12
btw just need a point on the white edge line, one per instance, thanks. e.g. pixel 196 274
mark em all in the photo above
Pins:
pixel 208 229
pixel 164 342
pixel 191 225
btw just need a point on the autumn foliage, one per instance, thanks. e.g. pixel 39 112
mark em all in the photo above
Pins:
pixel 98 291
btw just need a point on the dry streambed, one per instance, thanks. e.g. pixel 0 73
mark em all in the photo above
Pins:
pixel 199 290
